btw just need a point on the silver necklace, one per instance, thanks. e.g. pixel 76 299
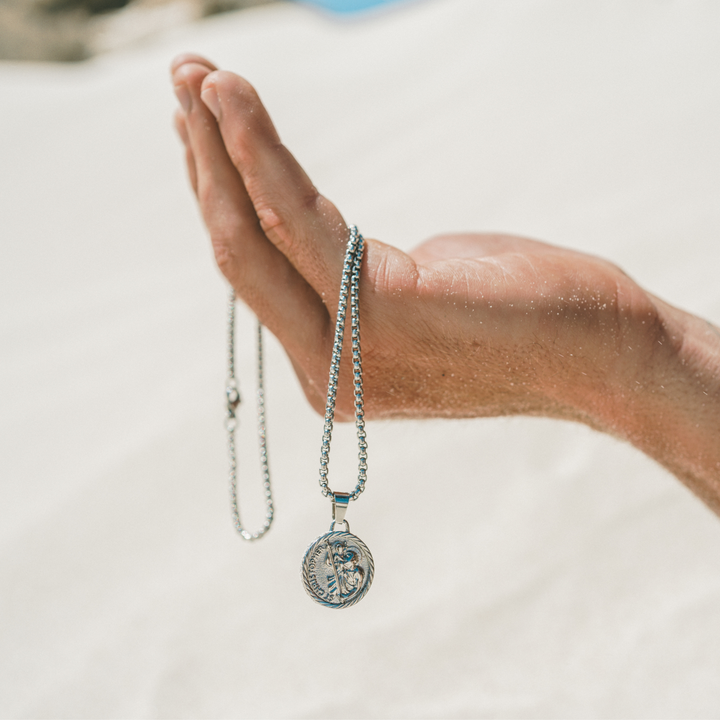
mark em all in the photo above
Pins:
pixel 232 396
pixel 337 568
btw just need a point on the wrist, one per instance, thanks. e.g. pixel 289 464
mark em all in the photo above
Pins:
pixel 665 399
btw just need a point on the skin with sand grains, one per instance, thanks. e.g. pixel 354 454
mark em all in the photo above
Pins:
pixel 466 325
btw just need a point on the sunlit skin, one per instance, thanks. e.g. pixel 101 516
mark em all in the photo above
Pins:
pixel 465 325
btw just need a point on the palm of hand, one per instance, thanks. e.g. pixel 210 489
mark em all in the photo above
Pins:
pixel 487 324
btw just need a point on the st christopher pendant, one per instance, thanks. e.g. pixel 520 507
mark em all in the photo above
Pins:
pixel 338 569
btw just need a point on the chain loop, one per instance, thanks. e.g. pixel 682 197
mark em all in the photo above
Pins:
pixel 349 287
pixel 233 400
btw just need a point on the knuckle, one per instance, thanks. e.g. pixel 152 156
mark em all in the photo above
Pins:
pixel 271 216
pixel 278 221
pixel 224 257
pixel 223 238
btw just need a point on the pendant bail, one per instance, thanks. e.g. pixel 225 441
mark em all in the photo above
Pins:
pixel 339 505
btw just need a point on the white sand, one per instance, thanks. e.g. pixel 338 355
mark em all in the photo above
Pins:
pixel 525 568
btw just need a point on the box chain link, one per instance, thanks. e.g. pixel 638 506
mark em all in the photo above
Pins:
pixel 349 290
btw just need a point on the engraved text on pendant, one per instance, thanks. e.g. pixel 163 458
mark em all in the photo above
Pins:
pixel 337 569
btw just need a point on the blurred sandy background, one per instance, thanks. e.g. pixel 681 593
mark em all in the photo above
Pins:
pixel 524 568
pixel 73 30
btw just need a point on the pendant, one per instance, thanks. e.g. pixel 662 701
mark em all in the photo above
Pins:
pixel 337 568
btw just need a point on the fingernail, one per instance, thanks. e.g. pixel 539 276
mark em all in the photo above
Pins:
pixel 210 98
pixel 183 96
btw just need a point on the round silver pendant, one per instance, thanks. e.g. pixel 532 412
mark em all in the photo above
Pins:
pixel 337 569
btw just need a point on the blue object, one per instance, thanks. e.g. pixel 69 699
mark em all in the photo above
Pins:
pixel 344 7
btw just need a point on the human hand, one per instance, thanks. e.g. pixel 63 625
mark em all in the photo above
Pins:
pixel 465 325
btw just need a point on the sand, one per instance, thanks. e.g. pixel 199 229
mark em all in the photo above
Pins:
pixel 524 567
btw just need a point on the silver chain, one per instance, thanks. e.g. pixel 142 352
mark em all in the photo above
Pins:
pixel 233 401
pixel 349 290
pixel 349 286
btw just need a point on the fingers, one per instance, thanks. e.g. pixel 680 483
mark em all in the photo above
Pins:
pixel 262 276
pixel 185 58
pixel 300 222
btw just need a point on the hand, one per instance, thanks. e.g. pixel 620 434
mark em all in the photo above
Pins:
pixel 465 325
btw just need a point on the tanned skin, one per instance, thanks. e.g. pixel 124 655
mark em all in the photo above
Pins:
pixel 465 325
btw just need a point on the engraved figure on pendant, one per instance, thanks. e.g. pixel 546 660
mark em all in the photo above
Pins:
pixel 347 576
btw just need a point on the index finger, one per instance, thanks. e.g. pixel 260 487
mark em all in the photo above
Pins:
pixel 305 226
